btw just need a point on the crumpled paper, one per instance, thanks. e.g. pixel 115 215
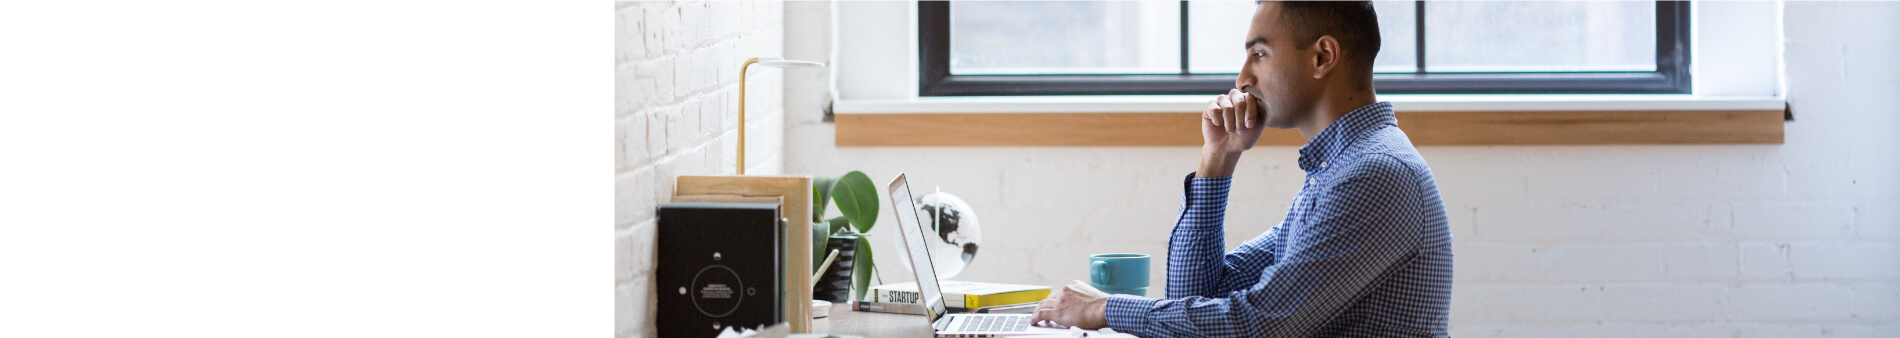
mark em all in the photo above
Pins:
pixel 779 330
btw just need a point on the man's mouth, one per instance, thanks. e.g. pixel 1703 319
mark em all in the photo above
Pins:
pixel 1255 94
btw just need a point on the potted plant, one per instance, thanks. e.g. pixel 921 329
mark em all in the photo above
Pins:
pixel 849 274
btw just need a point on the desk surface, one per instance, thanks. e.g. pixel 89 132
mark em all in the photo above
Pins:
pixel 872 324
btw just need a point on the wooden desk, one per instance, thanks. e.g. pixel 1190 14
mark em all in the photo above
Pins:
pixel 872 324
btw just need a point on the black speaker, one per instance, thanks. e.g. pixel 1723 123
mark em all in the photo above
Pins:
pixel 717 267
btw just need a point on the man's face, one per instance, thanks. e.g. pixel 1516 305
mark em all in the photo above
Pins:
pixel 1277 72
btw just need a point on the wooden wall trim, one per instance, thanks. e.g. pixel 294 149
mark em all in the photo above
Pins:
pixel 1425 128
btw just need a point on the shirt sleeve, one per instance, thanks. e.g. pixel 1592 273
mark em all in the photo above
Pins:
pixel 1196 265
pixel 1360 228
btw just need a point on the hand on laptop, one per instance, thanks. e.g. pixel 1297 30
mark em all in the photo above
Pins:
pixel 1074 305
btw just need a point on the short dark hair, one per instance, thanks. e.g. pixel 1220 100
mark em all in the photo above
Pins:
pixel 1353 23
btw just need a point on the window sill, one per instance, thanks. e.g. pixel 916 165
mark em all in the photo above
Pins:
pixel 1172 120
pixel 1400 102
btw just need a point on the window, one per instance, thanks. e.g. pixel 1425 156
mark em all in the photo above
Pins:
pixel 1194 47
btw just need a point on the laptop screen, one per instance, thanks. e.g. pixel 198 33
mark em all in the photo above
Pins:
pixel 914 240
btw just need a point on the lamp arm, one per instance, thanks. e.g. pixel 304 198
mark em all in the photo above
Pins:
pixel 742 69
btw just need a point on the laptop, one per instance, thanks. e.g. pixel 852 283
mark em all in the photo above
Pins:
pixel 911 230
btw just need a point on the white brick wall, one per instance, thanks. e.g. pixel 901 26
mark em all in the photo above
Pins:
pixel 676 69
pixel 1791 240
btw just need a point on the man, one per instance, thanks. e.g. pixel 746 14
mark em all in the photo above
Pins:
pixel 1364 249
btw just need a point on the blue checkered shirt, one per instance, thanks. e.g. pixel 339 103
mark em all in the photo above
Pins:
pixel 1364 250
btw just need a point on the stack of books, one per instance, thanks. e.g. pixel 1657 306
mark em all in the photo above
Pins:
pixel 958 297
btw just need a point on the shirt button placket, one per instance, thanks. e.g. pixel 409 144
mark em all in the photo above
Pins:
pixel 1315 178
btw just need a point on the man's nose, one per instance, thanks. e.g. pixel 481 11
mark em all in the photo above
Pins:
pixel 1246 76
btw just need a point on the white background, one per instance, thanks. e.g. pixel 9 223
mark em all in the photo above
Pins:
pixel 299 169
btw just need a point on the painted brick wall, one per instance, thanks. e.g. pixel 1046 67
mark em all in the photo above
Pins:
pixel 1791 240
pixel 676 87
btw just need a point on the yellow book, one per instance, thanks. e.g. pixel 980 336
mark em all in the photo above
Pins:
pixel 962 294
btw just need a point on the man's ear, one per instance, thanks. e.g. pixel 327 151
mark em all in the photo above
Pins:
pixel 1325 56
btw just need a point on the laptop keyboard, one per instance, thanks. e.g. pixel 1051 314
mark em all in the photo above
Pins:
pixel 996 323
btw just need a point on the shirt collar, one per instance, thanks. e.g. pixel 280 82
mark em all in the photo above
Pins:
pixel 1342 132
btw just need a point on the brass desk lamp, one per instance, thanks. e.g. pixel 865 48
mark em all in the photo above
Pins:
pixel 767 62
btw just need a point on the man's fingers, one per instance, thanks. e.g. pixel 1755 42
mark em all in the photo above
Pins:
pixel 1223 105
pixel 1246 109
pixel 1043 310
pixel 1233 117
pixel 1239 103
pixel 1212 114
pixel 1226 112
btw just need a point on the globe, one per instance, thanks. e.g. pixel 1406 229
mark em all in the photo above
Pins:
pixel 952 230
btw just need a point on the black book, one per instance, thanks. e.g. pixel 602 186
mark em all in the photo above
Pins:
pixel 718 266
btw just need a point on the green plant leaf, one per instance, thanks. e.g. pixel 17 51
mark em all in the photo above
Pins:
pixel 861 269
pixel 838 225
pixel 820 235
pixel 857 199
pixel 821 196
pixel 817 204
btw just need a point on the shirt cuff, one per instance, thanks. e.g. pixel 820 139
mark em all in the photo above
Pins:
pixel 1204 192
pixel 1129 314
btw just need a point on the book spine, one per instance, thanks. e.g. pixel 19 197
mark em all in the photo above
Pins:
pixel 952 299
pixel 898 296
pixel 1006 298
pixel 912 309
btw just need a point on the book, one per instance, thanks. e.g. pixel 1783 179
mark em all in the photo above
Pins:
pixel 1012 308
pixel 918 309
pixel 796 194
pixel 903 308
pixel 960 294
pixel 724 261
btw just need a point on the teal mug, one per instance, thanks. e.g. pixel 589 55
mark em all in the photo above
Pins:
pixel 1121 273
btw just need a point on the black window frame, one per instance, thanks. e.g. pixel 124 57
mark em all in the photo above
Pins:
pixel 1670 77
